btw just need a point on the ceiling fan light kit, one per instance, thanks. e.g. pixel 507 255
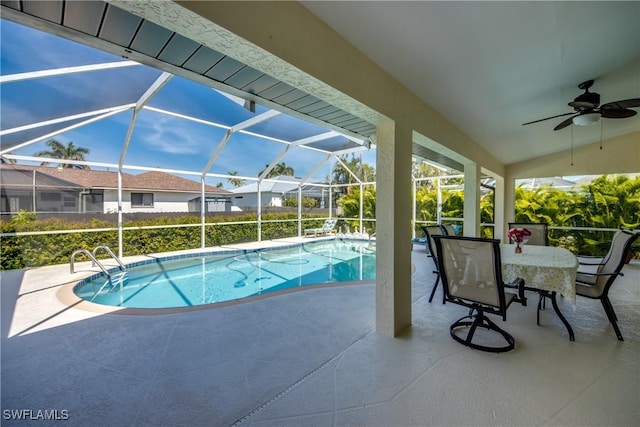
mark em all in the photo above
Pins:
pixel 586 119
pixel 588 111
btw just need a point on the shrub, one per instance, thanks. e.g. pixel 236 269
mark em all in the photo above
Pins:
pixel 48 249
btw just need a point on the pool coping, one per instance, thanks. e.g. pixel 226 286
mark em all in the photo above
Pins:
pixel 67 296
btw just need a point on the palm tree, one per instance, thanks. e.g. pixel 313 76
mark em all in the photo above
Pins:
pixel 58 150
pixel 425 170
pixel 278 170
pixel 236 182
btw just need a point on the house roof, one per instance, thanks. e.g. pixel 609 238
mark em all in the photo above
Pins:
pixel 54 177
pixel 271 186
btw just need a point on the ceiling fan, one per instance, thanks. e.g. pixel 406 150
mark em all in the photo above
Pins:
pixel 587 109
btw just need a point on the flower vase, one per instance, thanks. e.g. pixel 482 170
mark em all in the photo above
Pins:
pixel 518 247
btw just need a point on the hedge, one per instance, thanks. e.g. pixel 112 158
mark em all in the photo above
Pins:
pixel 48 249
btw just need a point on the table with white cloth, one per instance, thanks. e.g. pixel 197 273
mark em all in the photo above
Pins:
pixel 546 269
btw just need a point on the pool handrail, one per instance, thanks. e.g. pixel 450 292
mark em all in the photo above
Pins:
pixel 93 259
pixel 111 254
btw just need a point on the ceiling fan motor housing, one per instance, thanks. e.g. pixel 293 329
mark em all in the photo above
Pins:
pixel 586 100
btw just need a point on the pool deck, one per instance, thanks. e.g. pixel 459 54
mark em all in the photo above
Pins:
pixel 311 358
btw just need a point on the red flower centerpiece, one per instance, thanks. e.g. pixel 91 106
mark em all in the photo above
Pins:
pixel 517 235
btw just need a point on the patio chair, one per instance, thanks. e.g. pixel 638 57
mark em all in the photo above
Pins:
pixel 326 229
pixel 589 263
pixel 420 241
pixel 429 232
pixel 596 285
pixel 449 230
pixel 471 274
pixel 539 232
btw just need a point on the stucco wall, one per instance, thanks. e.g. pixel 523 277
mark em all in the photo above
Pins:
pixel 618 155
pixel 162 202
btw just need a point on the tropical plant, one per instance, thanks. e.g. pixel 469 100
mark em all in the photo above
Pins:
pixel 607 202
pixel 350 204
pixel 58 150
pixel 614 202
pixel 307 202
pixel 236 182
pixel 425 170
pixel 364 172
pixel 487 203
pixel 452 204
pixel 278 170
pixel 426 203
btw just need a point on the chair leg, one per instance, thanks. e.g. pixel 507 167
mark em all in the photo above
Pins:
pixel 610 307
pixel 435 286
pixel 611 314
pixel 540 307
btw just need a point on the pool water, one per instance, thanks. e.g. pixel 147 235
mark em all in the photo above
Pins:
pixel 212 278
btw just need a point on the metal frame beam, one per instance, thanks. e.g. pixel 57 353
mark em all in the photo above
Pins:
pixel 11 78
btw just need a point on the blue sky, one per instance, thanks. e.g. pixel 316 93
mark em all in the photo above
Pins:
pixel 159 140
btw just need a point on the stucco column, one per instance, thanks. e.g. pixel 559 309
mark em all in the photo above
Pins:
pixel 471 200
pixel 509 207
pixel 393 229
pixel 498 208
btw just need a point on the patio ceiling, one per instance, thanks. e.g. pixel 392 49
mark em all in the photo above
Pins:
pixel 156 77
pixel 489 67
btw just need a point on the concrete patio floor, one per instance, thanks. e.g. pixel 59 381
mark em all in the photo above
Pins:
pixel 313 358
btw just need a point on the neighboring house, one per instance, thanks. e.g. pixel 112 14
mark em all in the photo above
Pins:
pixel 274 192
pixel 50 189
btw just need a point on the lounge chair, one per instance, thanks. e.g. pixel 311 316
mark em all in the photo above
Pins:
pixel 326 229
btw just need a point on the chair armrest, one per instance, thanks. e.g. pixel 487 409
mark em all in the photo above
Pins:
pixel 620 273
pixel 590 260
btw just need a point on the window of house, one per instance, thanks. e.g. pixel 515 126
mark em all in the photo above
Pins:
pixel 50 197
pixel 69 202
pixel 142 200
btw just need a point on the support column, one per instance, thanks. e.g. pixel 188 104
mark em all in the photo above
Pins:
pixel 498 209
pixel 120 222
pixel 203 205
pixel 509 207
pixel 471 200
pixel 393 230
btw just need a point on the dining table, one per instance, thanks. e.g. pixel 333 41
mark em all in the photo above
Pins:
pixel 547 270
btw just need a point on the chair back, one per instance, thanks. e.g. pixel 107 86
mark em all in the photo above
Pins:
pixel 430 231
pixel 615 259
pixel 539 232
pixel 329 225
pixel 471 272
pixel 617 236
pixel 449 230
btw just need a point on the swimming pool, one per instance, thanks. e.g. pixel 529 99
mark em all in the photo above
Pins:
pixel 189 280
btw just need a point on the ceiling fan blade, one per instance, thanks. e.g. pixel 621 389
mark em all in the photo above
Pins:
pixel 614 113
pixel 548 118
pixel 565 123
pixel 622 104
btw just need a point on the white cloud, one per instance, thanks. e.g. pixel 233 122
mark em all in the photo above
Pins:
pixel 174 136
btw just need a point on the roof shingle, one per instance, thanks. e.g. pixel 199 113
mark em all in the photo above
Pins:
pixel 159 181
